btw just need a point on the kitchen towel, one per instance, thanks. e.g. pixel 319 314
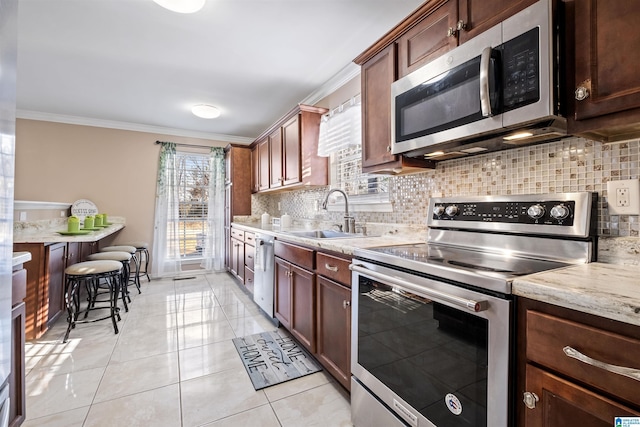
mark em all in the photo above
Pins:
pixel 274 357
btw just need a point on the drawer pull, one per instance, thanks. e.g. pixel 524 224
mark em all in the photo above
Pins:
pixel 331 267
pixel 620 370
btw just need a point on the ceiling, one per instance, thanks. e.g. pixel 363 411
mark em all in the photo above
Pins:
pixel 131 64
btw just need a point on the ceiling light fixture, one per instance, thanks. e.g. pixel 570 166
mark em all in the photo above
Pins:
pixel 205 111
pixel 181 6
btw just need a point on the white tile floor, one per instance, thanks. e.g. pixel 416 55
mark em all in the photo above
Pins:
pixel 172 364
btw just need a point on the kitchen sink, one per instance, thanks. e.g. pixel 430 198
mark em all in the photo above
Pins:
pixel 324 234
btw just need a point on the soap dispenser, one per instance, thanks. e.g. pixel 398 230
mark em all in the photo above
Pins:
pixel 266 219
pixel 285 220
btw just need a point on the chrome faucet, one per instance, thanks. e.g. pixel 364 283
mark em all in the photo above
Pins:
pixel 349 221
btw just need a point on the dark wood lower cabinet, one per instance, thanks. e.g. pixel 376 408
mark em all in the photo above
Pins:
pixel 17 387
pixel 333 317
pixel 294 301
pixel 562 403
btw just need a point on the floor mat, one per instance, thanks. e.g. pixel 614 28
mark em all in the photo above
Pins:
pixel 274 357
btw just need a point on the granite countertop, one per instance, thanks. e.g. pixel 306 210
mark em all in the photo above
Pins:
pixel 379 236
pixel 47 231
pixel 606 290
pixel 20 258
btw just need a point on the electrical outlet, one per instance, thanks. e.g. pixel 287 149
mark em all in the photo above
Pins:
pixel 278 205
pixel 23 216
pixel 623 197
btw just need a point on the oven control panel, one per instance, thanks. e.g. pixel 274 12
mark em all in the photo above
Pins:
pixel 561 214
pixel 553 212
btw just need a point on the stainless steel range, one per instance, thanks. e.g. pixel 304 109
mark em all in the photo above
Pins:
pixel 432 323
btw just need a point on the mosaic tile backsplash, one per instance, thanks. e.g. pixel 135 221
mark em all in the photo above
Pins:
pixel 573 164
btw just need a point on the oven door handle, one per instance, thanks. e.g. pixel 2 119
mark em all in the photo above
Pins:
pixel 469 304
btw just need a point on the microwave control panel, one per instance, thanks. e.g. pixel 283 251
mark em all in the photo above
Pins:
pixel 521 70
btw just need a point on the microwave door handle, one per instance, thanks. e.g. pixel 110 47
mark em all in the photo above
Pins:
pixel 485 99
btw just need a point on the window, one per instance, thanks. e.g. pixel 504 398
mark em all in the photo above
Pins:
pixel 192 180
pixel 340 137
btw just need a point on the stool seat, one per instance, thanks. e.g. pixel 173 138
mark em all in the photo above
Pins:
pixel 113 256
pixel 119 248
pixel 137 245
pixel 92 267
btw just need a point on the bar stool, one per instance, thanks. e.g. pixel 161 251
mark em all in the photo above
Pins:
pixel 125 259
pixel 132 251
pixel 142 249
pixel 90 273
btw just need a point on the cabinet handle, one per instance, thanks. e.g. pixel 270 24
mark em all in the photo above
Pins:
pixel 530 399
pixel 388 148
pixel 620 370
pixel 583 90
pixel 451 32
pixel 461 25
pixel 249 256
pixel 346 304
pixel 331 267
pixel 582 93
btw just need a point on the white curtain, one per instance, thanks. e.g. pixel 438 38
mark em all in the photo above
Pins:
pixel 214 242
pixel 166 249
pixel 341 128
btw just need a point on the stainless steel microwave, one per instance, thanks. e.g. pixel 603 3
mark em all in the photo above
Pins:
pixel 498 90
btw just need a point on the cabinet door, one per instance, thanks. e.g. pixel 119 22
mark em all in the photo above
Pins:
pixel 87 248
pixel 333 305
pixel 605 32
pixel 237 258
pixel 55 295
pixel 255 170
pixel 74 253
pixel 275 147
pixel 428 39
pixel 291 144
pixel 562 403
pixel 282 298
pixel 17 386
pixel 477 16
pixel 303 283
pixel 377 76
pixel 263 160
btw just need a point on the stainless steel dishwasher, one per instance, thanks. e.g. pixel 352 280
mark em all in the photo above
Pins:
pixel 264 273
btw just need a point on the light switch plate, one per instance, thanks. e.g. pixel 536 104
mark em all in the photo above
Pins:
pixel 623 197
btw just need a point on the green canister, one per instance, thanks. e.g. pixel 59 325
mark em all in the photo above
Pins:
pixel 98 220
pixel 73 224
pixel 89 221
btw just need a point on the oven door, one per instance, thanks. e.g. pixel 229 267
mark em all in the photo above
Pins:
pixel 435 354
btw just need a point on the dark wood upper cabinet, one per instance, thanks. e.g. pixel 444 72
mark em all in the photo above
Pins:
pixel 288 151
pixel 606 69
pixel 291 145
pixel 428 39
pixel 477 16
pixel 263 162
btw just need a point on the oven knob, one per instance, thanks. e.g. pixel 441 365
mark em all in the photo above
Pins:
pixel 438 210
pixel 559 212
pixel 452 210
pixel 535 211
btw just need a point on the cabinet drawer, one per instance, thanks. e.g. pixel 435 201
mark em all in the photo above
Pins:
pixel 249 256
pixel 18 286
pixel 238 234
pixel 249 238
pixel 248 279
pixel 298 255
pixel 334 268
pixel 548 335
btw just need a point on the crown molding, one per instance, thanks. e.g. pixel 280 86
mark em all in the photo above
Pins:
pixel 343 76
pixel 111 124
